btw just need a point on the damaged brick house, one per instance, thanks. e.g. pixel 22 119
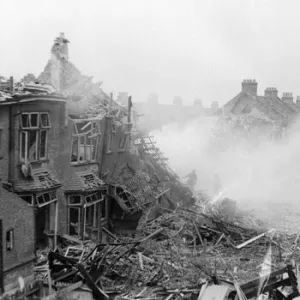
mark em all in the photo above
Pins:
pixel 30 118
pixel 250 114
pixel 32 142
pixel 17 253
pixel 95 145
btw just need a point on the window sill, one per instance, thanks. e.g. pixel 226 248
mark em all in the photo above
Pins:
pixel 20 163
pixel 109 152
pixel 83 163
pixel 121 150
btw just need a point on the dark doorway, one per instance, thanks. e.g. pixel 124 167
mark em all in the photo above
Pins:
pixel 42 222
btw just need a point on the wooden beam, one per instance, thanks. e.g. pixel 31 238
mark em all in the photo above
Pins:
pixel 56 225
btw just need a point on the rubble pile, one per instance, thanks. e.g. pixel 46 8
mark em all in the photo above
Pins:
pixel 176 255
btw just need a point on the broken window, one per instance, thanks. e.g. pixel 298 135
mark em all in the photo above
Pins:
pixel 85 141
pixel 9 240
pixel 91 216
pixel 111 138
pixel 74 220
pixel 28 199
pixel 33 139
pixel 46 198
pixel 75 152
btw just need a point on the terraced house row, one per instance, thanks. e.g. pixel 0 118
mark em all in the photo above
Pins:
pixel 71 164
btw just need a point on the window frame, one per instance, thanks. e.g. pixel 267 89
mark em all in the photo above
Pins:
pixel 24 136
pixel 78 208
pixel 9 233
pixel 52 199
pixel 87 140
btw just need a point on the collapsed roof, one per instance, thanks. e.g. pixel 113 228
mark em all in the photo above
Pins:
pixel 86 98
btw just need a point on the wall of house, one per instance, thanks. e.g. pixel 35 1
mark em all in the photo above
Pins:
pixel 16 214
pixel 57 129
pixel 107 162
pixel 4 142
pixel 115 157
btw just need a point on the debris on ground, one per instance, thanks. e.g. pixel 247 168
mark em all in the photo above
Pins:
pixel 185 253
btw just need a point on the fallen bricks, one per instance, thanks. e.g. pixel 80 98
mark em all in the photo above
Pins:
pixel 180 253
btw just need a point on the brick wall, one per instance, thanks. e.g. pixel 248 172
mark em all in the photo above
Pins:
pixel 16 214
pixel 4 142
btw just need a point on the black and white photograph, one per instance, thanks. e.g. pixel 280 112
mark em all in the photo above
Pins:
pixel 149 150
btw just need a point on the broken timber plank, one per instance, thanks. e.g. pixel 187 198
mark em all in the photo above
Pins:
pixel 97 292
pixel 253 239
pixel 198 233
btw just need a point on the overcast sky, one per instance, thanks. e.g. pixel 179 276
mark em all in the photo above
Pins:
pixel 184 48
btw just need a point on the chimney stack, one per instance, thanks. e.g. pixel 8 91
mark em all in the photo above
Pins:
pixel 298 101
pixel 287 98
pixel 249 86
pixel 271 92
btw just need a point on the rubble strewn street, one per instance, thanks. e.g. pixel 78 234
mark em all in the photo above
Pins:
pixel 176 255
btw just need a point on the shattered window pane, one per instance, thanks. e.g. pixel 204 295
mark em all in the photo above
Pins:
pixel 47 197
pixel 84 127
pixel 88 199
pixel 34 119
pixel 74 154
pixel 53 195
pixel 43 143
pixel 87 134
pixel 45 120
pixel 23 143
pixel 82 156
pixel 94 197
pixel 40 200
pixel 32 145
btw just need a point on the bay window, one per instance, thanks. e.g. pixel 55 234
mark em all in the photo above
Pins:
pixel 33 136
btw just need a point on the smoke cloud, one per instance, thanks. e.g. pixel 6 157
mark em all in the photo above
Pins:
pixel 263 177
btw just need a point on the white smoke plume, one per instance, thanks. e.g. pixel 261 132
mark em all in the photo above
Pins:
pixel 265 177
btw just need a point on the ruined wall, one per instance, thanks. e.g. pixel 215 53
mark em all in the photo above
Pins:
pixel 113 157
pixel 16 214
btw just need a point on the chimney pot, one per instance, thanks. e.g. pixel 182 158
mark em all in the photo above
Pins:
pixel 271 92
pixel 287 98
pixel 249 86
